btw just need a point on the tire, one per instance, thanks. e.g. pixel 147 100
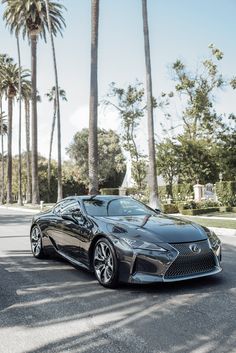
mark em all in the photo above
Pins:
pixel 105 263
pixel 36 243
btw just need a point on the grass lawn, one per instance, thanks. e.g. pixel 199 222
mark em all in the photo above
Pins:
pixel 218 223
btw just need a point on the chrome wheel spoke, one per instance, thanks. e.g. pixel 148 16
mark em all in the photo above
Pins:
pixel 103 248
pixel 36 242
pixel 103 262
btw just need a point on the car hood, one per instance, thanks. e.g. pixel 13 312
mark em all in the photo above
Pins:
pixel 156 229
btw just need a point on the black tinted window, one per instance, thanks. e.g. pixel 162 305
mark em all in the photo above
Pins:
pixel 61 205
pixel 70 207
pixel 116 207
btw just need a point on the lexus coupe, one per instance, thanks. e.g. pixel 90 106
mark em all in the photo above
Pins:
pixel 122 240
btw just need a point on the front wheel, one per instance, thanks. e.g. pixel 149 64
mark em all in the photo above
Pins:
pixel 36 243
pixel 105 263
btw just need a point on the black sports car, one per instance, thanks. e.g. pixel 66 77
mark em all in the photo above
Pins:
pixel 121 239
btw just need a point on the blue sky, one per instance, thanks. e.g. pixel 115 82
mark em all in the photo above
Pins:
pixel 178 29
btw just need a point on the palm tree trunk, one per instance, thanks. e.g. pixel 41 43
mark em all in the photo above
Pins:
pixel 2 152
pixel 93 104
pixel 59 168
pixel 152 173
pixel 9 151
pixel 50 146
pixel 34 124
pixel 3 181
pixel 27 135
pixel 20 202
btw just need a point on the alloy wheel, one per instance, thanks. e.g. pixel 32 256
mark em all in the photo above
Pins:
pixel 36 242
pixel 103 262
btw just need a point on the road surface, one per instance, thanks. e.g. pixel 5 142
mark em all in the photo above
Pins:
pixel 49 306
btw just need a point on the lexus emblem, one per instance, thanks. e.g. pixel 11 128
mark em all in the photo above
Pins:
pixel 195 248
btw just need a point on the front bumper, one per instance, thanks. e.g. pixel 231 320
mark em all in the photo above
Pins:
pixel 177 264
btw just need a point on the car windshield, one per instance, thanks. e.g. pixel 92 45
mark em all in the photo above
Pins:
pixel 116 207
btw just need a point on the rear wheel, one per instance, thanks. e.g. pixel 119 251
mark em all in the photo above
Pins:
pixel 36 243
pixel 105 263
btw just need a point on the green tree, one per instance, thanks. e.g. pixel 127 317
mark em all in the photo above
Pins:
pixel 30 18
pixel 131 107
pixel 52 97
pixel 111 164
pixel 152 177
pixel 225 151
pixel 93 104
pixel 197 91
pixel 168 161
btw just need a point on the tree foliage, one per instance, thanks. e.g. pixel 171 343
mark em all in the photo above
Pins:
pixel 197 91
pixel 130 103
pixel 111 162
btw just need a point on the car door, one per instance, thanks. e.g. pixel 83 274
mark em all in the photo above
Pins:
pixel 55 223
pixel 75 233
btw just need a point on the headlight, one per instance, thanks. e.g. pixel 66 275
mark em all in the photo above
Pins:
pixel 139 244
pixel 214 240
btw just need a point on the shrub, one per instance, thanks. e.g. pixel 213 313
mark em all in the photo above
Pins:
pixel 109 191
pixel 194 212
pixel 187 205
pixel 207 204
pixel 180 192
pixel 225 208
pixel 170 208
pixel 226 193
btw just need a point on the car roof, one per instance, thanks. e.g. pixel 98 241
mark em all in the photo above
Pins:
pixel 100 197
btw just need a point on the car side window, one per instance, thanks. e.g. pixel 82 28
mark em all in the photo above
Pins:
pixel 57 208
pixel 70 207
pixel 60 206
pixel 74 207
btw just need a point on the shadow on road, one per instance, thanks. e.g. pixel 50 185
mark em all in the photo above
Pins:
pixel 76 314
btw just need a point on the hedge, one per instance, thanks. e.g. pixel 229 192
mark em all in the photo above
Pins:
pixel 109 191
pixel 226 192
pixel 169 208
pixel 179 191
pixel 198 211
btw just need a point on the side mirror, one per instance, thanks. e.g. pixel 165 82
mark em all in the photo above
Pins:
pixel 157 210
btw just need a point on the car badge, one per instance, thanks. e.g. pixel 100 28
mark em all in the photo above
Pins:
pixel 195 248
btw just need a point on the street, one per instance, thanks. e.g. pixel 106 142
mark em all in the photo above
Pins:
pixel 50 306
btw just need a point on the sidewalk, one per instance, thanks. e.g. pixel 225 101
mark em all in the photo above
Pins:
pixel 223 231
pixel 206 217
pixel 20 208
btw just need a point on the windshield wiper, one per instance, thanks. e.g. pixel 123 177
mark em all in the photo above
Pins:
pixel 92 197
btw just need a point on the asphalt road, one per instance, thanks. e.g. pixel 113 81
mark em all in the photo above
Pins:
pixel 49 306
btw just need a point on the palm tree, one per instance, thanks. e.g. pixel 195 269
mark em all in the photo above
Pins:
pixel 93 104
pixel 4 60
pixel 3 131
pixel 57 102
pixel 153 191
pixel 20 201
pixel 52 97
pixel 10 84
pixel 26 96
pixel 30 17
